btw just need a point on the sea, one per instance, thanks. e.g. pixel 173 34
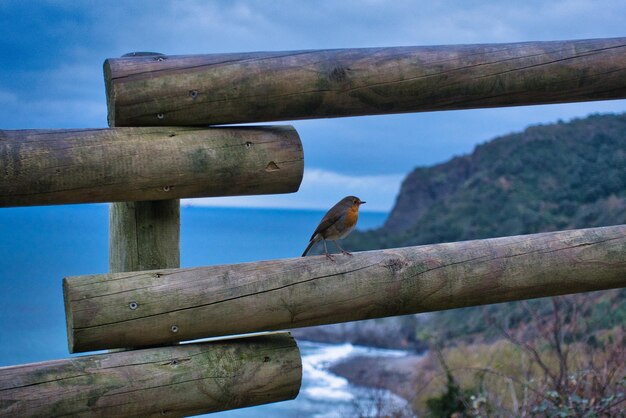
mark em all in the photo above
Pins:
pixel 41 245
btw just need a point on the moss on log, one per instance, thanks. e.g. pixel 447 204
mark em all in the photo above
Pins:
pixel 182 380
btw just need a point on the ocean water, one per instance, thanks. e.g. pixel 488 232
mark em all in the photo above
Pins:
pixel 223 235
pixel 41 245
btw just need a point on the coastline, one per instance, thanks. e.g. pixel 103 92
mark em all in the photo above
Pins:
pixel 401 375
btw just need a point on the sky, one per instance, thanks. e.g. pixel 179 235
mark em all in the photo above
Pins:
pixel 51 55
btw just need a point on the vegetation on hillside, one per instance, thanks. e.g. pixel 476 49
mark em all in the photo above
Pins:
pixel 558 363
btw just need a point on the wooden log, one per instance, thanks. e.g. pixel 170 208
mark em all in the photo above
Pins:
pixel 42 167
pixel 299 292
pixel 271 86
pixel 182 380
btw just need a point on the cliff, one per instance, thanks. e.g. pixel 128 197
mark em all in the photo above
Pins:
pixel 549 177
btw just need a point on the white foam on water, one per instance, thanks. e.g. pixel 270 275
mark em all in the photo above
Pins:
pixel 326 386
pixel 361 350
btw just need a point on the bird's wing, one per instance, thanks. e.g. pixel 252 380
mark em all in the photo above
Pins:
pixel 332 216
pixel 325 224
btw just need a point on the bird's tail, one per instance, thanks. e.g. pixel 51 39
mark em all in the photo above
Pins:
pixel 308 247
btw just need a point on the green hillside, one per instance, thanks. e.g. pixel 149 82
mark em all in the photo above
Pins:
pixel 547 178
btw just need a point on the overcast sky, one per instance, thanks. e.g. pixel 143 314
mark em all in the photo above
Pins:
pixel 52 54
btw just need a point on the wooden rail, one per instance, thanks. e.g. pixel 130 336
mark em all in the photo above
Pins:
pixel 43 167
pixel 270 86
pixel 182 380
pixel 160 306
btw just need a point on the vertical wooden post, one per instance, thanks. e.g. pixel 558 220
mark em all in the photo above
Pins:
pixel 144 235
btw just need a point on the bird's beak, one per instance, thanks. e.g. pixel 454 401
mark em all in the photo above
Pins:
pixel 362 203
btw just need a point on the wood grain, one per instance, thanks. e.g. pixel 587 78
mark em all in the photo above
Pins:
pixel 144 235
pixel 271 86
pixel 44 167
pixel 290 293
pixel 176 381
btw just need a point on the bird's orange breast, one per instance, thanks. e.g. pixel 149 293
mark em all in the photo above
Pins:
pixel 352 216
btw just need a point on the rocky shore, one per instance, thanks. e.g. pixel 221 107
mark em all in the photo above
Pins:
pixel 401 375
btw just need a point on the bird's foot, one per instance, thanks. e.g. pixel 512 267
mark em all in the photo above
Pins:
pixel 346 252
pixel 330 257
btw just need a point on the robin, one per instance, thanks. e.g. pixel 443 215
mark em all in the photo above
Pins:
pixel 338 222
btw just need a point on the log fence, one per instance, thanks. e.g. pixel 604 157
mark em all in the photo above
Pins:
pixel 160 148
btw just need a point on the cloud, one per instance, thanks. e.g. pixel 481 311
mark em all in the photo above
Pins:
pixel 198 26
pixel 320 189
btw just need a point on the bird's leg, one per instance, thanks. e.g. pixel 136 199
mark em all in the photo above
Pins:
pixel 342 250
pixel 330 257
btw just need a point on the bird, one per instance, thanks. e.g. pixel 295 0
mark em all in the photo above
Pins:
pixel 338 222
